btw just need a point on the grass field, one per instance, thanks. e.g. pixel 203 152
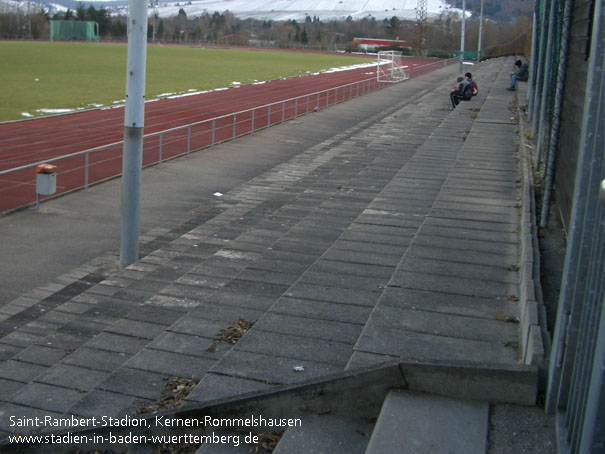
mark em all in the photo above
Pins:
pixel 55 75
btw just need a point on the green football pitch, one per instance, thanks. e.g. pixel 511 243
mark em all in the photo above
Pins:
pixel 44 76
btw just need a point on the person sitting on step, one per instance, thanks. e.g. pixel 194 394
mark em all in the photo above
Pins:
pixel 464 92
pixel 521 73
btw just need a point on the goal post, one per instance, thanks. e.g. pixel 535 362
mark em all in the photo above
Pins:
pixel 391 67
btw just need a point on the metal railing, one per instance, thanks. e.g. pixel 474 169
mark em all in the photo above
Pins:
pixel 81 169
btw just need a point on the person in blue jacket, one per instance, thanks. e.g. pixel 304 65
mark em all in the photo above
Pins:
pixel 521 73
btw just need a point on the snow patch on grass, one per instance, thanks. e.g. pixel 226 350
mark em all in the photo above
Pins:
pixel 54 111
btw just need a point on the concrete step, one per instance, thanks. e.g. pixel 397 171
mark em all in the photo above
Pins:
pixel 421 423
pixel 327 434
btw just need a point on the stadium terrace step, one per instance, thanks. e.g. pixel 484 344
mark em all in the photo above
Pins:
pixel 408 423
pixel 327 433
pixel 413 423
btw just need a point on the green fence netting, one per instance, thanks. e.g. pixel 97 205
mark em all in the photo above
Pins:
pixel 469 54
pixel 69 30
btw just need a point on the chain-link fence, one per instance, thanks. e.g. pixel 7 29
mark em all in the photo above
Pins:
pixel 566 107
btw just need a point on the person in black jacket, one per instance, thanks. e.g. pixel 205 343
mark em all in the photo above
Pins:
pixel 464 92
pixel 521 73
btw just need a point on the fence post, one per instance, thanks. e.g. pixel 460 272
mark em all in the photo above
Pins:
pixel 540 72
pixel 269 117
pixel 317 103
pixel 188 141
pixel 532 61
pixel 234 123
pixel 252 130
pixel 308 103
pixel 86 172
pixel 160 157
pixel 296 108
pixel 213 127
pixel 283 111
pixel 545 86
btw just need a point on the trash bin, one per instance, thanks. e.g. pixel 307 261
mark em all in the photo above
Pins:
pixel 46 179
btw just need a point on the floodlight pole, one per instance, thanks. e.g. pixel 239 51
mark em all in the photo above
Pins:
pixel 480 34
pixel 134 116
pixel 153 22
pixel 462 31
pixel 29 21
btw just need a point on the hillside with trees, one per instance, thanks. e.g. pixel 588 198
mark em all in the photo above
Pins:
pixel 443 32
pixel 499 10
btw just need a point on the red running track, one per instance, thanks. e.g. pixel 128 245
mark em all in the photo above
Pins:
pixel 32 141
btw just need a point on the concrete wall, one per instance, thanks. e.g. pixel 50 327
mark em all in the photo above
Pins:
pixel 573 105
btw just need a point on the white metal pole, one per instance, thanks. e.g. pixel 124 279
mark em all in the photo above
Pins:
pixel 134 116
pixel 480 34
pixel 462 31
pixel 153 22
pixel 29 21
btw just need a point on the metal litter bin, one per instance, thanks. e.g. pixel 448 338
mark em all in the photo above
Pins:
pixel 46 179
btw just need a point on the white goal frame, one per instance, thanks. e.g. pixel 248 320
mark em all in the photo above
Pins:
pixel 390 67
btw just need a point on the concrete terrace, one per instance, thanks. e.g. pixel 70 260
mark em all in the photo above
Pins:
pixel 395 236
